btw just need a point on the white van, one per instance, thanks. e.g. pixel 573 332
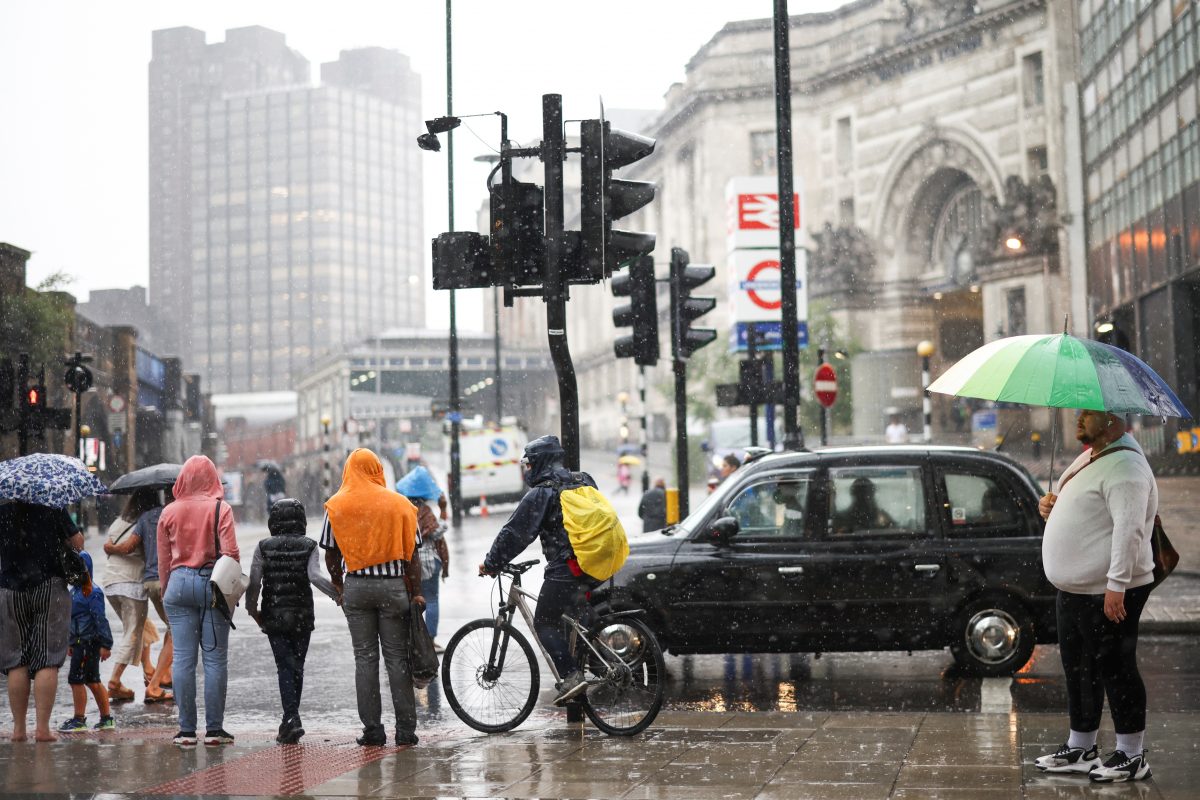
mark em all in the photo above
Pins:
pixel 490 463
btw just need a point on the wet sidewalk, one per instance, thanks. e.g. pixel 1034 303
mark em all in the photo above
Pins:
pixel 694 755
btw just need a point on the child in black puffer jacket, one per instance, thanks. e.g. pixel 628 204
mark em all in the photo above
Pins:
pixel 286 566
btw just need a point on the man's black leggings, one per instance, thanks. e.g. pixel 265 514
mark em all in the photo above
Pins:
pixel 1100 656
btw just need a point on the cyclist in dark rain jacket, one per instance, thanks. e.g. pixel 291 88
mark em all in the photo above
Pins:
pixel 540 515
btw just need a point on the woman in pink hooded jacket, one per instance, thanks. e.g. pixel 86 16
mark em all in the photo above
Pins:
pixel 188 534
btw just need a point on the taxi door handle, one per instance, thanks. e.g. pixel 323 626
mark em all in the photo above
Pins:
pixel 791 570
pixel 927 568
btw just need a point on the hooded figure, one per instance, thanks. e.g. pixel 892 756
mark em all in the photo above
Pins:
pixel 370 534
pixel 286 566
pixel 371 523
pixel 540 515
pixel 189 532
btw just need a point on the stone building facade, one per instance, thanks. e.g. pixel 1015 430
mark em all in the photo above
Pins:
pixel 926 136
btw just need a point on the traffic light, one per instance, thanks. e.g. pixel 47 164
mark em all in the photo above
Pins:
pixel 462 260
pixel 641 313
pixel 605 198
pixel 517 243
pixel 35 399
pixel 685 309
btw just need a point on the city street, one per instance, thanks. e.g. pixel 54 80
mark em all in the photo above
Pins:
pixel 841 725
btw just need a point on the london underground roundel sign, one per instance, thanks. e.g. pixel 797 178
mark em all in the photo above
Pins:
pixel 825 385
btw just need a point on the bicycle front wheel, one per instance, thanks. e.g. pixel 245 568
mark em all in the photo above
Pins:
pixel 626 679
pixel 491 693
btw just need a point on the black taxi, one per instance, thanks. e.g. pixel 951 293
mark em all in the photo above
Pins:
pixel 857 548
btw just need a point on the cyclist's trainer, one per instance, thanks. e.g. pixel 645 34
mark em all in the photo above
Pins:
pixel 540 514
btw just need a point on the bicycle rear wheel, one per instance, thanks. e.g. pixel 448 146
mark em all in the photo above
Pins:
pixel 629 692
pixel 490 695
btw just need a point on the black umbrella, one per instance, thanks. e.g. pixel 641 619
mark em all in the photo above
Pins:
pixel 159 476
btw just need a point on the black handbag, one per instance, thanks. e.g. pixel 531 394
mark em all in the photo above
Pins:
pixel 73 567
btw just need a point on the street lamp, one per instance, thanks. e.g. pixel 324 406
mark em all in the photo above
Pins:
pixel 925 350
pixel 325 420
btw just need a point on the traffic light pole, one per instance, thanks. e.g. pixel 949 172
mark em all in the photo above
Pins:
pixel 679 366
pixel 645 432
pixel 553 153
pixel 752 357
pixel 793 436
pixel 23 421
pixel 455 406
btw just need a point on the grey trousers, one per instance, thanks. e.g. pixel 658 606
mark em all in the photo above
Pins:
pixel 377 614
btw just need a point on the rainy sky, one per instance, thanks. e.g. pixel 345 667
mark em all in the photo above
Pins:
pixel 73 160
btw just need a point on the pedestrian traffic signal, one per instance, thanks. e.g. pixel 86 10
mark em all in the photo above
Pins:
pixel 685 309
pixel 604 198
pixel 35 398
pixel 641 313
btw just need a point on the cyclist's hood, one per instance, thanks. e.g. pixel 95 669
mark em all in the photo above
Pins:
pixel 545 456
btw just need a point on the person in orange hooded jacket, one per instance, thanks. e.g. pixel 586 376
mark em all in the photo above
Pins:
pixel 370 537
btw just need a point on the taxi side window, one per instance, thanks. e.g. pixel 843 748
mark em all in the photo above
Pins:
pixel 773 508
pixel 869 500
pixel 977 502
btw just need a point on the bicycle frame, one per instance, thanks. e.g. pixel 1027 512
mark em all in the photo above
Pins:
pixel 517 601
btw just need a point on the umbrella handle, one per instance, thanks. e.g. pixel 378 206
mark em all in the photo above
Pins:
pixel 1053 445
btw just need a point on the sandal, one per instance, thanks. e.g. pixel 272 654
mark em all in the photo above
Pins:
pixel 147 677
pixel 119 694
pixel 163 696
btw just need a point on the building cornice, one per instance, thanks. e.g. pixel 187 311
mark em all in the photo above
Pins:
pixel 676 118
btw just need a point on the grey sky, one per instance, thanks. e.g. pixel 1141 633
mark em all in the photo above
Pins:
pixel 73 80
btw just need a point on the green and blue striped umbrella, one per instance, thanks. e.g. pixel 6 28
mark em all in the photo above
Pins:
pixel 1061 371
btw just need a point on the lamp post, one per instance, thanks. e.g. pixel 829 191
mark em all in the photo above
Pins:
pixel 925 350
pixel 325 420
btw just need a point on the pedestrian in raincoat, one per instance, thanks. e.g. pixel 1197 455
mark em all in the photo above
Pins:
pixel 190 531
pixel 370 541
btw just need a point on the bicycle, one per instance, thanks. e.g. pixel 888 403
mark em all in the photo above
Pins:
pixel 493 685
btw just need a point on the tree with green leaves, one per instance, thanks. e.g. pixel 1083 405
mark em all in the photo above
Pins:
pixel 37 321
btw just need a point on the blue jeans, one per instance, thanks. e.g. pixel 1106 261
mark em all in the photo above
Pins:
pixel 429 590
pixel 196 625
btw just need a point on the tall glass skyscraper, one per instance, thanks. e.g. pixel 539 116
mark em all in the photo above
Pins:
pixel 1141 143
pixel 285 217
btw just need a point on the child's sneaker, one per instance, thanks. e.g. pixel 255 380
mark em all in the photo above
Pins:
pixel 1120 767
pixel 73 725
pixel 185 739
pixel 1069 759
pixel 105 724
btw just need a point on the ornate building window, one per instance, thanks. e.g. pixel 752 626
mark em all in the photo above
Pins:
pixel 958 233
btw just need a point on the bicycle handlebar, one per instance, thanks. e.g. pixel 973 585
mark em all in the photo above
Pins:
pixel 514 569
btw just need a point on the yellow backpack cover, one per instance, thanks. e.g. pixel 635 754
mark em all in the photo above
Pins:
pixel 595 531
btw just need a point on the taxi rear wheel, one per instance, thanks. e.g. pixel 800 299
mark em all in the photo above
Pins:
pixel 993 636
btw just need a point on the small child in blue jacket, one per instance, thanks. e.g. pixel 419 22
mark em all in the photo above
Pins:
pixel 90 643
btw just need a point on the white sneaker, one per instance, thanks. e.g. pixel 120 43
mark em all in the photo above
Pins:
pixel 1120 767
pixel 1069 759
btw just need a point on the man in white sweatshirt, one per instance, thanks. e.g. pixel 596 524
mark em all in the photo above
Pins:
pixel 1096 551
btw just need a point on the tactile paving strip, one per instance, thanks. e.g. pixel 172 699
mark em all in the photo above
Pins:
pixel 284 770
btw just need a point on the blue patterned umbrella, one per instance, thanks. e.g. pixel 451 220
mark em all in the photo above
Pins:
pixel 47 479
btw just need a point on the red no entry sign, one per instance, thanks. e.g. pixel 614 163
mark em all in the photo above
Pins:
pixel 825 385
